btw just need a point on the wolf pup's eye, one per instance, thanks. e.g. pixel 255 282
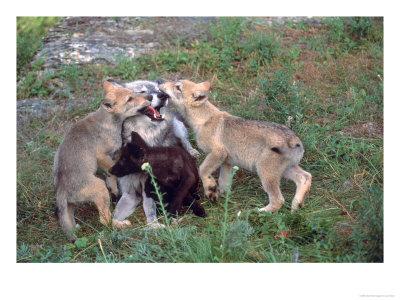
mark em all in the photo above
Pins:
pixel 178 88
pixel 130 99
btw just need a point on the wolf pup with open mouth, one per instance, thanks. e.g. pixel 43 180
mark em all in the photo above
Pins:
pixel 87 145
pixel 270 149
pixel 158 126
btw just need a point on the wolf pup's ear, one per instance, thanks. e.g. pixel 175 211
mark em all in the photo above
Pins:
pixel 135 136
pixel 205 85
pixel 199 97
pixel 179 86
pixel 159 80
pixel 108 86
pixel 107 104
pixel 138 140
pixel 135 150
pixel 115 83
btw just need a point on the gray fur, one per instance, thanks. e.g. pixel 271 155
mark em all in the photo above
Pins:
pixel 169 132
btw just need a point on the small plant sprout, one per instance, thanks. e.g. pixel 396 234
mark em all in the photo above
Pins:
pixel 289 119
pixel 145 166
pixel 228 191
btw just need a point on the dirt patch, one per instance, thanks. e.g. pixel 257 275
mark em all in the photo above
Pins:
pixel 359 130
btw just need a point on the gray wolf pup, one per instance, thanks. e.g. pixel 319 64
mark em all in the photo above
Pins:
pixel 174 168
pixel 159 128
pixel 272 150
pixel 87 145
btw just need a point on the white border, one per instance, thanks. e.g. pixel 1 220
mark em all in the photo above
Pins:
pixel 200 281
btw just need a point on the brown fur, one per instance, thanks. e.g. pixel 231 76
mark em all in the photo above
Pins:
pixel 87 145
pixel 272 150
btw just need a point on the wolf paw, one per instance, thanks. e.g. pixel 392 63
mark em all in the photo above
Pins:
pixel 212 193
pixel 198 210
pixel 155 225
pixel 265 209
pixel 270 208
pixel 121 224
pixel 112 186
pixel 296 205
pixel 194 153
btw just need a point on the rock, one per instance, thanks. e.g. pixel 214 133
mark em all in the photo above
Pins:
pixel 105 39
pixel 32 107
pixel 87 40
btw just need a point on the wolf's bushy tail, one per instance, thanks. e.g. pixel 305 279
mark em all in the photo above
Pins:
pixel 64 216
pixel 294 151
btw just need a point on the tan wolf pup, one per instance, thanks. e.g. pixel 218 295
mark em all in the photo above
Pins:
pixel 270 149
pixel 87 145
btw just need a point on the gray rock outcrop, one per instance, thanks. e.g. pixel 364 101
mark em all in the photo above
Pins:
pixel 105 39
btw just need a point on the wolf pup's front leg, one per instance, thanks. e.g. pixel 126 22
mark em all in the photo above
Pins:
pixel 212 162
pixel 181 133
pixel 106 162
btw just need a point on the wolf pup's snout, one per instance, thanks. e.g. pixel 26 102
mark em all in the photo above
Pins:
pixel 114 170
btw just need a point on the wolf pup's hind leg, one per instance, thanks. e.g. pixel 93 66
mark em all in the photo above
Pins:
pixel 97 193
pixel 224 176
pixel 150 210
pixel 303 183
pixel 270 180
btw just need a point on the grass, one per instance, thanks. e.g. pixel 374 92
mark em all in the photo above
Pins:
pixel 324 80
pixel 30 30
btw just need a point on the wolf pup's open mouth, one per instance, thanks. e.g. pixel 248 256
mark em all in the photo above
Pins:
pixel 153 113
